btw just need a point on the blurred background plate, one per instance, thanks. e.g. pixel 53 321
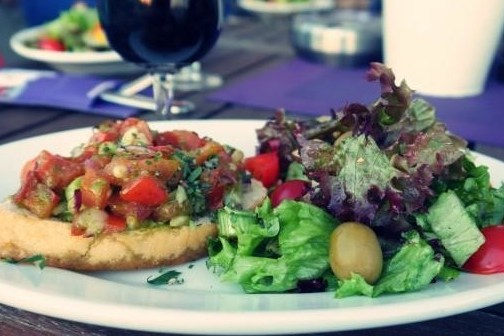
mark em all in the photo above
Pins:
pixel 285 8
pixel 87 62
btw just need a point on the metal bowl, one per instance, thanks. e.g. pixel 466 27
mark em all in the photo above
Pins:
pixel 342 37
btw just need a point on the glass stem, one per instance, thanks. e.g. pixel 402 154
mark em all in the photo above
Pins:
pixel 162 84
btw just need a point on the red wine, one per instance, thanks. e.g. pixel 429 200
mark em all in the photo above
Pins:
pixel 161 33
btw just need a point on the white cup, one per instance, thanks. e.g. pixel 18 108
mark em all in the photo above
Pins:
pixel 442 47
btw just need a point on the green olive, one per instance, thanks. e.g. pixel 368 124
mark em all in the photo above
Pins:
pixel 354 248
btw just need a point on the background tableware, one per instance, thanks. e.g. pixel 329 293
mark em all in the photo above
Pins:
pixel 161 37
pixel 442 47
pixel 340 37
pixel 86 62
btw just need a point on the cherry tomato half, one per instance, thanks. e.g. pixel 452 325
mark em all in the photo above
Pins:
pixel 264 167
pixel 293 190
pixel 489 258
pixel 48 43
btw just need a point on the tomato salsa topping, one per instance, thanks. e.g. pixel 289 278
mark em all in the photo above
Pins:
pixel 129 176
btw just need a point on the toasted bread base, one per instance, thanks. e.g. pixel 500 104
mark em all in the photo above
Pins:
pixel 23 235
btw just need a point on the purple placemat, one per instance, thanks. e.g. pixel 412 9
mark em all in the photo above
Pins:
pixel 312 89
pixel 57 90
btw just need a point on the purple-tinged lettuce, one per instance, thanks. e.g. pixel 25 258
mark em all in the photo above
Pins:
pixel 353 176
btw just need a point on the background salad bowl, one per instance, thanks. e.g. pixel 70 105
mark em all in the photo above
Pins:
pixel 81 62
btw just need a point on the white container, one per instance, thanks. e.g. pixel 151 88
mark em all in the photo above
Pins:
pixel 442 47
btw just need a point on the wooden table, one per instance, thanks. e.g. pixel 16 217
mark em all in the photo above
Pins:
pixel 245 48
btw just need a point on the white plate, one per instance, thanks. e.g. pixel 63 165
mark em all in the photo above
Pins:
pixel 86 62
pixel 202 305
pixel 284 8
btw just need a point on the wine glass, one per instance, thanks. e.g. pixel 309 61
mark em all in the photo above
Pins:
pixel 193 77
pixel 162 36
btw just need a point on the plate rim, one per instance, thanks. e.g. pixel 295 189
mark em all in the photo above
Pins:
pixel 242 322
pixel 234 322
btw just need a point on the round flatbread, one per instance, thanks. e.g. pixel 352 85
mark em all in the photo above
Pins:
pixel 23 235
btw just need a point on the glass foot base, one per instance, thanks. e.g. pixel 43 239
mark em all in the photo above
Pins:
pixel 181 107
pixel 196 81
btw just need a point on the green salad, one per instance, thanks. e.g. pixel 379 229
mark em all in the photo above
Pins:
pixel 74 30
pixel 370 200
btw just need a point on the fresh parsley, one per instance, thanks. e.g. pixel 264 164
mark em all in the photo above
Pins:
pixel 170 277
pixel 195 189
pixel 37 259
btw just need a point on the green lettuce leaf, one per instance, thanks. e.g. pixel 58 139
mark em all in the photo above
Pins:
pixel 484 203
pixel 252 255
pixel 363 165
pixel 412 268
pixel 304 238
pixel 356 285
pixel 454 227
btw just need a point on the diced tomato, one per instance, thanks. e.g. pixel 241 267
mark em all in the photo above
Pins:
pixel 165 150
pixel 106 131
pixel 55 171
pixel 264 167
pixel 135 122
pixel 138 129
pixel 77 230
pixel 27 168
pixel 122 208
pixel 489 258
pixel 218 181
pixel 95 190
pixel 206 151
pixel 36 197
pixel 112 131
pixel 115 224
pixel 185 140
pixel 122 169
pixel 100 137
pixel 96 163
pixel 49 43
pixel 146 190
pixel 215 197
pixel 86 153
pixel 292 190
pixel 169 210
pixel 163 169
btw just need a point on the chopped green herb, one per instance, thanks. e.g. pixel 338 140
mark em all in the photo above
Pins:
pixel 167 278
pixel 186 161
pixel 37 259
pixel 212 162
pixel 195 174
pixel 191 183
